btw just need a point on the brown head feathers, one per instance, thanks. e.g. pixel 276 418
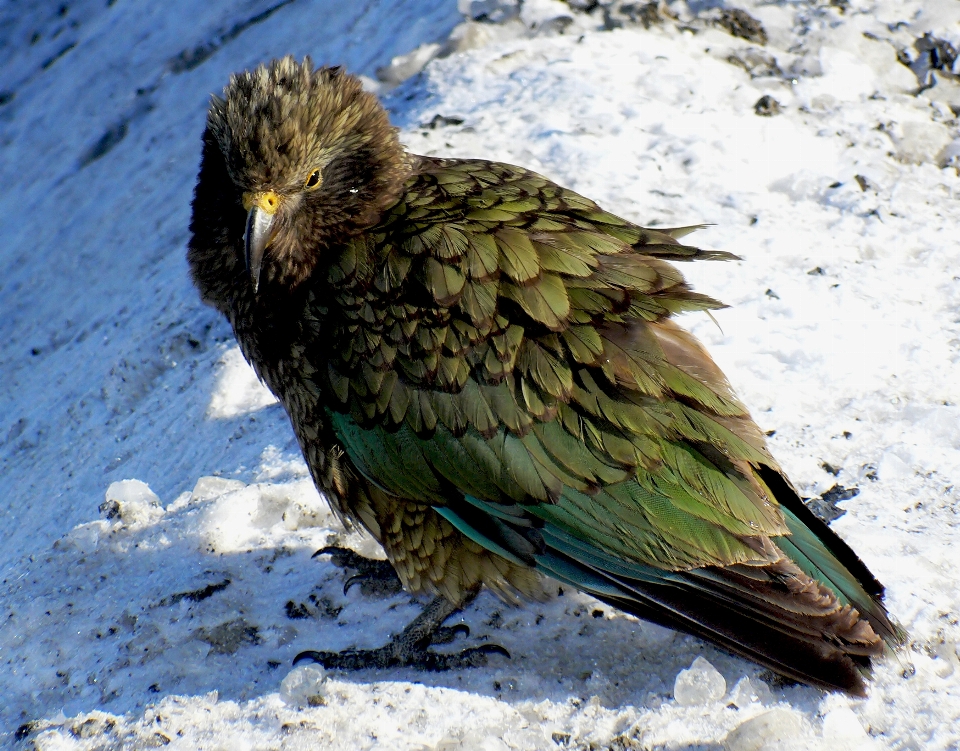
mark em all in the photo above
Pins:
pixel 319 144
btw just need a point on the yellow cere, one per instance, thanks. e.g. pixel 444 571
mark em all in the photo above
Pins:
pixel 267 201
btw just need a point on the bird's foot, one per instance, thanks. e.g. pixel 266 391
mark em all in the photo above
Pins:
pixel 376 578
pixel 411 647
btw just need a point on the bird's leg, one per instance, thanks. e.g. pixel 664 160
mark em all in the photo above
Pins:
pixel 374 577
pixel 411 647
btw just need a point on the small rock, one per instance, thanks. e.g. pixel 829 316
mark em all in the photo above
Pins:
pixel 618 15
pixel 741 24
pixel 932 54
pixel 700 684
pixel 440 121
pixel 767 106
pixel 131 501
pixel 826 505
pixel 757 62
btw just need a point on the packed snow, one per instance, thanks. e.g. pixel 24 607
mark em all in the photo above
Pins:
pixel 157 518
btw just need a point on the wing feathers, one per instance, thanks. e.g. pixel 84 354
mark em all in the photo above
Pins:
pixel 507 357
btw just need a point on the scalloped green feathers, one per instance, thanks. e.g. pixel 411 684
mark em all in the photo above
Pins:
pixel 506 355
pixel 498 371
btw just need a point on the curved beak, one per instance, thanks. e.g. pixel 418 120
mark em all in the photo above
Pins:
pixel 261 214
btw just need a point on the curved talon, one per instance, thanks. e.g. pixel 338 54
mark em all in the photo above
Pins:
pixel 311 655
pixel 490 649
pixel 355 579
pixel 447 634
pixel 352 659
pixel 474 657
pixel 375 577
pixel 341 556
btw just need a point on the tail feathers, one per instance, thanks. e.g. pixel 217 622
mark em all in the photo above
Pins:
pixel 824 556
pixel 830 652
pixel 807 607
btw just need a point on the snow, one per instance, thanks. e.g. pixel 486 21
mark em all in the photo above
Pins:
pixel 158 521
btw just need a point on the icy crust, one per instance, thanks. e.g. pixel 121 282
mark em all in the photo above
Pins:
pixel 143 613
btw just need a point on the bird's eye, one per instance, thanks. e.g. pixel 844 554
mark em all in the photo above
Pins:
pixel 313 180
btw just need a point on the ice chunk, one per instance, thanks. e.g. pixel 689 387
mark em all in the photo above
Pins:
pixel 748 692
pixel 213 487
pixel 496 11
pixel 84 537
pixel 895 464
pixel 944 90
pixel 132 502
pixel 920 142
pixel 304 686
pixel 404 66
pixel 540 13
pixel 238 391
pixel 775 729
pixel 490 743
pixel 840 725
pixel 701 683
pixel 228 523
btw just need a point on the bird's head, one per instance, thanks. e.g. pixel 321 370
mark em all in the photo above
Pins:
pixel 310 156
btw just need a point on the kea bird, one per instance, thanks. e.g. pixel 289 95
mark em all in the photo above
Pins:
pixel 484 371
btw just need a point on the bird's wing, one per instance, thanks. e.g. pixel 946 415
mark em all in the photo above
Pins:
pixel 514 364
pixel 530 359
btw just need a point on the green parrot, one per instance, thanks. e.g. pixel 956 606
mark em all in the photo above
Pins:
pixel 484 371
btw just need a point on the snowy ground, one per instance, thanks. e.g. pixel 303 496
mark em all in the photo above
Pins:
pixel 134 620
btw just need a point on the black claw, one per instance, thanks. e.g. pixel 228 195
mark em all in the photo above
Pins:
pixel 342 557
pixel 446 634
pixel 355 579
pixel 383 583
pixel 311 655
pixel 475 657
pixel 374 577
pixel 351 659
pixel 492 649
